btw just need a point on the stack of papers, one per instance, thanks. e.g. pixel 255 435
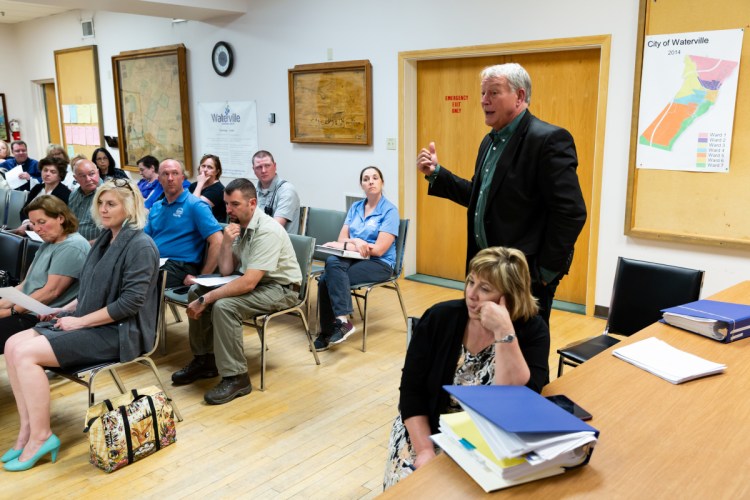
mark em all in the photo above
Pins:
pixel 510 435
pixel 349 254
pixel 722 321
pixel 663 360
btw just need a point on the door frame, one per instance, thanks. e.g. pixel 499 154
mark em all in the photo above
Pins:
pixel 407 132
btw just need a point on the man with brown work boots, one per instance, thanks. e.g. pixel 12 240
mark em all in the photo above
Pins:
pixel 259 249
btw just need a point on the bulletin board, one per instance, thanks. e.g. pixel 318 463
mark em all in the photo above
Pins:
pixel 693 207
pixel 79 98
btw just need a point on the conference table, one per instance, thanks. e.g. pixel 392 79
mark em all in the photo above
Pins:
pixel 657 439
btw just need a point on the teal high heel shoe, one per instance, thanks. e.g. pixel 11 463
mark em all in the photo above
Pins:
pixel 51 445
pixel 11 455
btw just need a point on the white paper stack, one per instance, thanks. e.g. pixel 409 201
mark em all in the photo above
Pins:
pixel 511 435
pixel 663 360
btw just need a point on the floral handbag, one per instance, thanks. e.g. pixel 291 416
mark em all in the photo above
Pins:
pixel 130 427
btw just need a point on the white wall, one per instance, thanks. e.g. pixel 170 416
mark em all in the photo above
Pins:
pixel 278 34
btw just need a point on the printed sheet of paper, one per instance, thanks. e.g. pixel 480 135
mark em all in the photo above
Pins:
pixel 23 300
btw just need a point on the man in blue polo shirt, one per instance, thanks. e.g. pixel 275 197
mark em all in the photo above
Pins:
pixel 180 225
pixel 28 165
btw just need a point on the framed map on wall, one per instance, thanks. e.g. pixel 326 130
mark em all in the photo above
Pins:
pixel 151 98
pixel 4 129
pixel 331 103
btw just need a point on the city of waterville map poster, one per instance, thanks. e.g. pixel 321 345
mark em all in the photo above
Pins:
pixel 688 94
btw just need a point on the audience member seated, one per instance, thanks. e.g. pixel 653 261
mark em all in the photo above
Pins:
pixel 87 176
pixel 4 150
pixel 106 164
pixel 208 188
pixel 57 151
pixel 276 197
pixel 30 167
pixel 370 228
pixel 494 336
pixel 148 166
pixel 114 318
pixel 180 224
pixel 53 172
pixel 157 193
pixel 260 250
pixel 53 276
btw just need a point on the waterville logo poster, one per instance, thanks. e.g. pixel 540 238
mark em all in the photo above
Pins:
pixel 229 130
pixel 688 95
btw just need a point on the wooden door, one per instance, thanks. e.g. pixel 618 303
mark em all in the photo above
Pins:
pixel 564 92
pixel 53 121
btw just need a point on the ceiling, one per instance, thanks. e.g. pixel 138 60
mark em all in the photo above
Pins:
pixel 12 11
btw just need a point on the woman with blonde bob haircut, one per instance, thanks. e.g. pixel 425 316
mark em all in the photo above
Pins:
pixel 136 215
pixel 493 336
pixel 113 319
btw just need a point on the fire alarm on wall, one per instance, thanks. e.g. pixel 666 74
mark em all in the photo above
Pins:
pixel 87 28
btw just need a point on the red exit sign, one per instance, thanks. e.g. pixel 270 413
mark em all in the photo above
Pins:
pixel 456 101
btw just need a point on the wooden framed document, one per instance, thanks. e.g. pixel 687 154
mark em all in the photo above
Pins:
pixel 331 103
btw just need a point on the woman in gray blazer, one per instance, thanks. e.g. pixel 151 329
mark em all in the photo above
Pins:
pixel 113 318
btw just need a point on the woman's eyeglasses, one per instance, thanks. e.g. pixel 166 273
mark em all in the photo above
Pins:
pixel 123 183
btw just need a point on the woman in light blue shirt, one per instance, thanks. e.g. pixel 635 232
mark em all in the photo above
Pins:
pixel 370 229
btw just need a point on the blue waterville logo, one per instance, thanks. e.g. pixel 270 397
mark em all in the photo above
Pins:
pixel 227 117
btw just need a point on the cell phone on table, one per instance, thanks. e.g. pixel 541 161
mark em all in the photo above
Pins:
pixel 568 405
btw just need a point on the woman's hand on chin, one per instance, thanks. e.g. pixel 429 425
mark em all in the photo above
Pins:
pixel 495 317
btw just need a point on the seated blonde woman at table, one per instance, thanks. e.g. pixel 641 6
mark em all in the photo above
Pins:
pixel 113 318
pixel 493 336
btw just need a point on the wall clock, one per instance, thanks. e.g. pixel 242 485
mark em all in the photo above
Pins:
pixel 222 58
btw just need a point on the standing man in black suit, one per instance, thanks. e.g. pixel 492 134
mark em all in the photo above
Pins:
pixel 525 192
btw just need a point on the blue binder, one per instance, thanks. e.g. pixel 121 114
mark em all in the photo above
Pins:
pixel 518 409
pixel 734 318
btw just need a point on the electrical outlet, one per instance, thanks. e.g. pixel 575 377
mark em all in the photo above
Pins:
pixel 390 143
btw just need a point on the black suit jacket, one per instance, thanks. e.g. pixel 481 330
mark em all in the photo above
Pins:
pixel 535 202
pixel 61 191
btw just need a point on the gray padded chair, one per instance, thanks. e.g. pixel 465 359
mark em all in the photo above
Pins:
pixel 4 198
pixel 641 290
pixel 362 291
pixel 324 225
pixel 12 252
pixel 303 249
pixel 15 203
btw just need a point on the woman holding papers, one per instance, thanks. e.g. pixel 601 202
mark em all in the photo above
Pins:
pixel 53 276
pixel 493 336
pixel 114 318
pixel 370 228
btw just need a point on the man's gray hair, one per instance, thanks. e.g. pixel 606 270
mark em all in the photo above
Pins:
pixel 514 73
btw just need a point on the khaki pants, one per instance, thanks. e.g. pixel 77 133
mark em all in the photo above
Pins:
pixel 219 329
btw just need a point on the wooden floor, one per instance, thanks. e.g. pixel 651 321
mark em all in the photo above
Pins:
pixel 316 432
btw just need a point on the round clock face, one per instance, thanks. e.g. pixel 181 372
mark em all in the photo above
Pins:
pixel 222 58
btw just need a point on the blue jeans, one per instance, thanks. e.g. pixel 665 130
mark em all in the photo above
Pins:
pixel 334 293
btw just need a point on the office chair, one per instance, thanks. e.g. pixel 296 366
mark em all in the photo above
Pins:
pixel 641 290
